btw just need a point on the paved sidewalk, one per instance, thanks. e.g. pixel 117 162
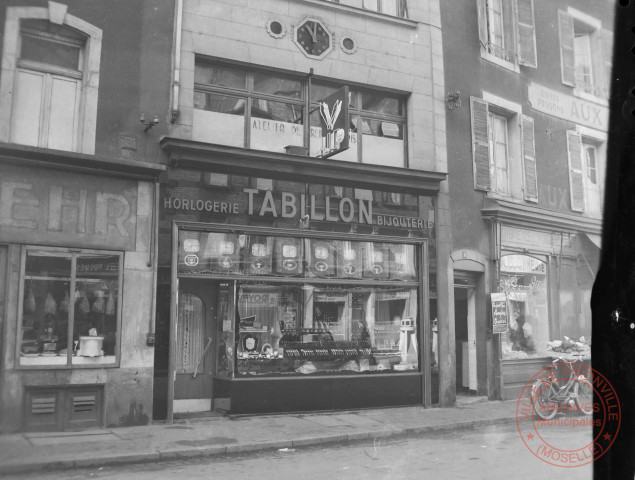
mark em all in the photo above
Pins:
pixel 31 452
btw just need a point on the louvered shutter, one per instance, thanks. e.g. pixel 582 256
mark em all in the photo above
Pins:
pixel 607 58
pixel 529 160
pixel 480 143
pixel 567 48
pixel 481 6
pixel 526 33
pixel 576 173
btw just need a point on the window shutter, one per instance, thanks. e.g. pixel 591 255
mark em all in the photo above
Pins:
pixel 607 58
pixel 529 160
pixel 480 143
pixel 567 51
pixel 526 33
pixel 576 174
pixel 481 6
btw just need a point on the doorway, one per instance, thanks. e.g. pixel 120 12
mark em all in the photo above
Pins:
pixel 194 346
pixel 465 337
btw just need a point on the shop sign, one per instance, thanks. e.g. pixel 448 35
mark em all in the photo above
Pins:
pixel 334 122
pixel 499 313
pixel 533 240
pixel 568 107
pixel 290 205
pixel 67 209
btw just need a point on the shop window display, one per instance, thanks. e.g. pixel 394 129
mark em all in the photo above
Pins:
pixel 70 308
pixel 524 281
pixel 316 306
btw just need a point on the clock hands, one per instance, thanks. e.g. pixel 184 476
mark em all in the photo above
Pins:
pixel 313 32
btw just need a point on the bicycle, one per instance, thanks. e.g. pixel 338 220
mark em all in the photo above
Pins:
pixel 549 395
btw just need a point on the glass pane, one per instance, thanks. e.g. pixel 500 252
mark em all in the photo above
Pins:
pixel 220 76
pixel 319 91
pixel 225 330
pixel 383 143
pixel 45 310
pixel 275 125
pixel 219 119
pixel 524 281
pixel 381 103
pixel 47 264
pixel 279 86
pixel 96 309
pixel 44 50
pixel 265 313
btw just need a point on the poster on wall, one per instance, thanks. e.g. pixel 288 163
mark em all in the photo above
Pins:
pixel 499 313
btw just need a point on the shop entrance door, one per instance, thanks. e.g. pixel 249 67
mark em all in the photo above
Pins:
pixel 194 345
pixel 465 331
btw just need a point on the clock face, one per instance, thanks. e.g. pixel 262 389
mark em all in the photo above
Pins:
pixel 313 38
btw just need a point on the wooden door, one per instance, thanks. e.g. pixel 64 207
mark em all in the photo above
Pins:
pixel 194 355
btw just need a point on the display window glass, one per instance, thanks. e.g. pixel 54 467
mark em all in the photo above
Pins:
pixel 70 308
pixel 251 254
pixel 524 281
pixel 314 329
pixel 308 306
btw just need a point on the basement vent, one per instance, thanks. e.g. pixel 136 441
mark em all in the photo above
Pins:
pixel 63 408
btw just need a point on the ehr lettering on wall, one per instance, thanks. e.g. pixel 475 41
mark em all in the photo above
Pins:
pixel 287 205
pixel 68 209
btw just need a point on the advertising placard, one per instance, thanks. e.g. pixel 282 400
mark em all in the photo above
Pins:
pixel 499 313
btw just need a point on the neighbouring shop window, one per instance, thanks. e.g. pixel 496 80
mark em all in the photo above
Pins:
pixel 319 306
pixel 266 111
pixel 70 308
pixel 524 281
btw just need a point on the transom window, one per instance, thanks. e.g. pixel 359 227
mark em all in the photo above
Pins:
pixel 271 111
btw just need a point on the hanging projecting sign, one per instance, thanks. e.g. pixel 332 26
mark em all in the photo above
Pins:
pixel 499 313
pixel 334 122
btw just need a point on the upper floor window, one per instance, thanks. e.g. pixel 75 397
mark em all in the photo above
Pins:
pixel 396 8
pixel 271 111
pixel 48 86
pixel 48 95
pixel 586 168
pixel 503 150
pixel 585 53
pixel 507 32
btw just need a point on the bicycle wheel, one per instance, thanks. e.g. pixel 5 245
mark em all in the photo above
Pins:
pixel 583 396
pixel 544 407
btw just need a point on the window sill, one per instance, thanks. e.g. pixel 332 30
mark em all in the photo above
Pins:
pixel 590 97
pixel 499 61
pixel 357 11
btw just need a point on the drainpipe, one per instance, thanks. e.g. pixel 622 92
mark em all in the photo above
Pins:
pixel 152 262
pixel 176 66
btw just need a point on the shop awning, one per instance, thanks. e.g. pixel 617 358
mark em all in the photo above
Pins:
pixel 595 239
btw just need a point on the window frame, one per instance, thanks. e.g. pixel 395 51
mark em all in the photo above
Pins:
pixel 573 24
pixel 517 31
pixel 307 104
pixel 420 284
pixel 55 13
pixel 522 178
pixel 72 253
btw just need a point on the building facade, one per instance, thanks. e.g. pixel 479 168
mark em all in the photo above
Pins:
pixel 527 125
pixel 294 274
pixel 78 189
